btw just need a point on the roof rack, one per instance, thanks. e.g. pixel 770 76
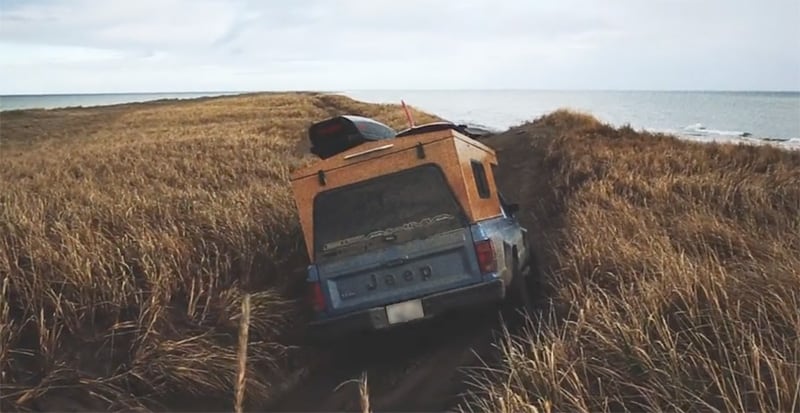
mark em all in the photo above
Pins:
pixel 471 131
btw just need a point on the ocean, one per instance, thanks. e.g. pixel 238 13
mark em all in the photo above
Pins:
pixel 13 102
pixel 748 117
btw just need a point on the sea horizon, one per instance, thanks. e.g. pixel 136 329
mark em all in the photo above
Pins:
pixel 210 93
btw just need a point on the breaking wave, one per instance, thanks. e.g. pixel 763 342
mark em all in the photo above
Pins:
pixel 700 130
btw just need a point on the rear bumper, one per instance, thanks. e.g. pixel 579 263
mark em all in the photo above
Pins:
pixel 433 305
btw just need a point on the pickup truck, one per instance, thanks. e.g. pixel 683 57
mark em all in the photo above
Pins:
pixel 405 226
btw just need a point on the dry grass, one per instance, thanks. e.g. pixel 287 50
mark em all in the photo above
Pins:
pixel 244 337
pixel 125 235
pixel 129 236
pixel 673 269
pixel 363 393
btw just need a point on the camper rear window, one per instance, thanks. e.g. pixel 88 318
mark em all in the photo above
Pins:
pixel 405 204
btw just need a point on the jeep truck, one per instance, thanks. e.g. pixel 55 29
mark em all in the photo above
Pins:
pixel 404 226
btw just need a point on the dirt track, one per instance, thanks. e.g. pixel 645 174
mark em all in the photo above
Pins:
pixel 416 369
pixel 425 367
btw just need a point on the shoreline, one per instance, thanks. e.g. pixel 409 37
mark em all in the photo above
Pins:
pixel 157 98
pixel 700 135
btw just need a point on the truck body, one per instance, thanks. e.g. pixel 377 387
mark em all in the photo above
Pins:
pixel 404 228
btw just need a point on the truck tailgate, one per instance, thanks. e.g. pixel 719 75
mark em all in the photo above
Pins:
pixel 401 272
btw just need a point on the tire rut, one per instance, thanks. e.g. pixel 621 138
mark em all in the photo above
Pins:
pixel 418 368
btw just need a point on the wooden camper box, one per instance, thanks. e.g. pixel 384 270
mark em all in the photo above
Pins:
pixel 457 156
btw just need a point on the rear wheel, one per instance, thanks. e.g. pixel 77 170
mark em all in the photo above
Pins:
pixel 534 277
pixel 518 298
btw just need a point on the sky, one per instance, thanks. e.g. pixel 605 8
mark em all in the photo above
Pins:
pixel 105 46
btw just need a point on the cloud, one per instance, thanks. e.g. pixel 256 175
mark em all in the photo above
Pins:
pixel 167 24
pixel 159 45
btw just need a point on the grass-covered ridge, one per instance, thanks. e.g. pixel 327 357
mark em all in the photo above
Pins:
pixel 674 270
pixel 127 234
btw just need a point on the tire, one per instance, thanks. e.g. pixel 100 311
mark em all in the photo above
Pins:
pixel 518 297
pixel 534 276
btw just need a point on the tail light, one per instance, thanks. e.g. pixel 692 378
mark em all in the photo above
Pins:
pixel 316 297
pixel 486 259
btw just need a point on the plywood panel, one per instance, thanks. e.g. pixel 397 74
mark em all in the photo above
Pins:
pixel 399 144
pixel 482 208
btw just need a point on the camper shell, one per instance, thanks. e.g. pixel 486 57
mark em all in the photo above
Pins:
pixel 403 226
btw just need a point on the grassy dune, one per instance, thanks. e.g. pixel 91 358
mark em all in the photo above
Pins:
pixel 128 235
pixel 673 270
